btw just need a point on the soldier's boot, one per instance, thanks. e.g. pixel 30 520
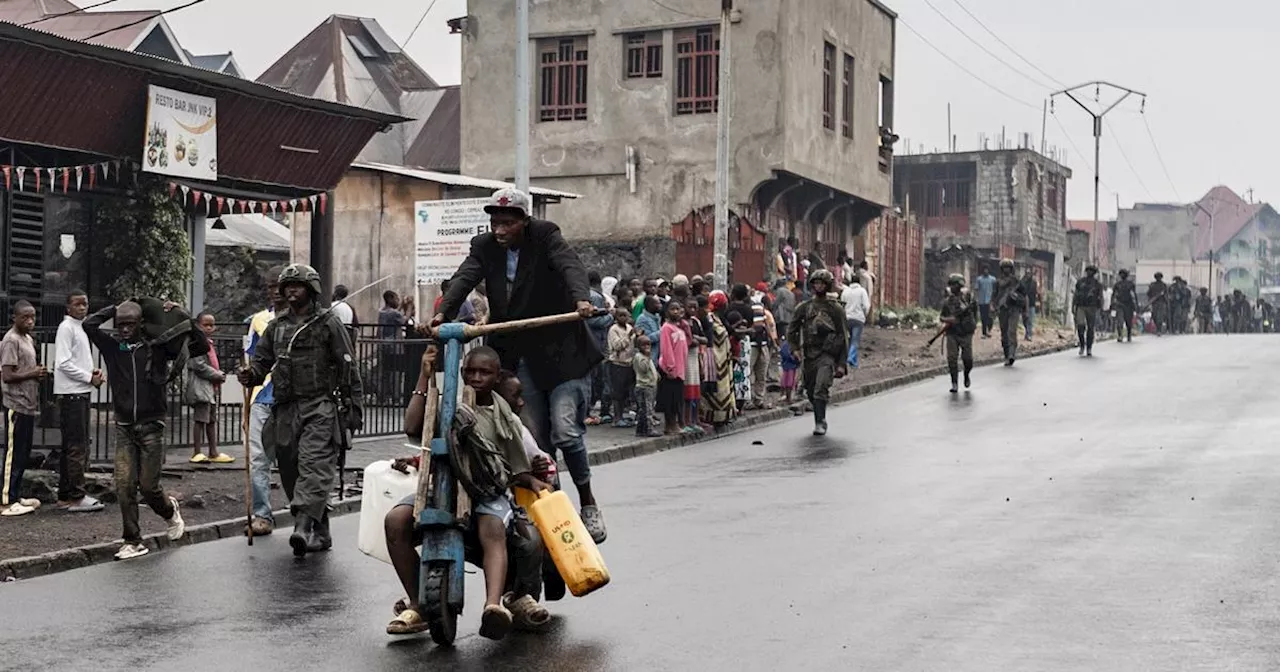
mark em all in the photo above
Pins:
pixel 955 379
pixel 302 526
pixel 1080 337
pixel 320 539
pixel 967 368
pixel 819 418
pixel 1088 346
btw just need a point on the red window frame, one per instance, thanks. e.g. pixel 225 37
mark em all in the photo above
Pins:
pixel 562 73
pixel 644 55
pixel 846 113
pixel 828 86
pixel 697 71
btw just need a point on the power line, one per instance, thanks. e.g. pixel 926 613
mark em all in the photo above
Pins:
pixel 404 44
pixel 1074 146
pixel 967 71
pixel 143 20
pixel 1006 44
pixel 76 11
pixel 1116 139
pixel 1159 157
pixel 681 12
pixel 983 47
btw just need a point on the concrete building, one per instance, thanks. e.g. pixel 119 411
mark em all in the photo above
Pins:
pixel 1004 203
pixel 623 111
pixel 1160 236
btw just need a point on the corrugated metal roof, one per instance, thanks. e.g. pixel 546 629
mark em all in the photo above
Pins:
pixel 81 26
pixel 454 180
pixel 438 146
pixel 255 231
pixel 77 96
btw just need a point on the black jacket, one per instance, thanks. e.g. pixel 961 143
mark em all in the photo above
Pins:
pixel 550 280
pixel 137 372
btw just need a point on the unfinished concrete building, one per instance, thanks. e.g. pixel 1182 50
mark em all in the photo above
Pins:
pixel 623 111
pixel 1006 203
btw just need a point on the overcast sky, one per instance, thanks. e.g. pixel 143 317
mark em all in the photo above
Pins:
pixel 1202 65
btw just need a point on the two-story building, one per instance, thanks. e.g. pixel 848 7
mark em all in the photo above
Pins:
pixel 623 111
pixel 990 204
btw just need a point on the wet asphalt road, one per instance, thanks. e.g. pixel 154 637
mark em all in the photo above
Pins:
pixel 1118 513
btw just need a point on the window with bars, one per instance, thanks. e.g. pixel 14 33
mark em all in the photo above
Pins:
pixel 644 55
pixel 562 69
pixel 846 98
pixel 697 71
pixel 828 86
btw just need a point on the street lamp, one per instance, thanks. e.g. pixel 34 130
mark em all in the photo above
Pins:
pixel 1211 248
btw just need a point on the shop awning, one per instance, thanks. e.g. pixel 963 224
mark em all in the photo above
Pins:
pixel 81 97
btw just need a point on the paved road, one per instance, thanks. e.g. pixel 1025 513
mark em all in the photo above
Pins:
pixel 1117 513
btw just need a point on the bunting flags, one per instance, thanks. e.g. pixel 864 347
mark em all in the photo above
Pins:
pixel 61 179
pixel 54 179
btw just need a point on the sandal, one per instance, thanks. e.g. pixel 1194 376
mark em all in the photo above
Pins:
pixel 526 613
pixel 200 458
pixel 495 623
pixel 407 622
pixel 222 458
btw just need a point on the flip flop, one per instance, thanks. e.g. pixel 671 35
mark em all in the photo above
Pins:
pixel 222 458
pixel 199 459
pixel 407 622
pixel 17 509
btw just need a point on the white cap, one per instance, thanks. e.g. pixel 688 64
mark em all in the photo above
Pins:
pixel 508 198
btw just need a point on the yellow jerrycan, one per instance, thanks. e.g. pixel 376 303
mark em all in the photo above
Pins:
pixel 574 552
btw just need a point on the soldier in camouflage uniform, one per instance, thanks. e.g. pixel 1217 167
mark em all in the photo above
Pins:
pixel 960 314
pixel 1158 297
pixel 1011 302
pixel 311 360
pixel 820 328
pixel 1179 305
pixel 1085 305
pixel 1124 299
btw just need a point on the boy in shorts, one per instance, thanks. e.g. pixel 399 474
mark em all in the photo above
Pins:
pixel 493 527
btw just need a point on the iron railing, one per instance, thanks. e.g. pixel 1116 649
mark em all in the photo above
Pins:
pixel 388 369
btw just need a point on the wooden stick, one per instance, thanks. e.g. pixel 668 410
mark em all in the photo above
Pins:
pixel 471 332
pixel 248 459
pixel 432 408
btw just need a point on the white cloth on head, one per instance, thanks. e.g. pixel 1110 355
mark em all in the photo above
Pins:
pixel 606 287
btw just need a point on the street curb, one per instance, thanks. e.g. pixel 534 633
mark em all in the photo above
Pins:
pixel 64 560
pixel 662 444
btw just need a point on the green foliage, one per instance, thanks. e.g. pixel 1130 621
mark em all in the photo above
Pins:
pixel 915 316
pixel 145 244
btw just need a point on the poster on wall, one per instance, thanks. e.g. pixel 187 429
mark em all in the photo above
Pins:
pixel 444 230
pixel 182 135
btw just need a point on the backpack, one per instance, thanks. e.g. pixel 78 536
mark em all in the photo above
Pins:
pixel 478 463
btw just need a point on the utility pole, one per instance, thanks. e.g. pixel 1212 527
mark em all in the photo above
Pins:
pixel 721 269
pixel 1097 134
pixel 522 95
pixel 1210 246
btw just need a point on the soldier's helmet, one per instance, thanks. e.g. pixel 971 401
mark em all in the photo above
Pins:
pixel 1159 275
pixel 1124 272
pixel 825 276
pixel 1177 278
pixel 301 274
pixel 1006 263
pixel 955 279
pixel 1090 269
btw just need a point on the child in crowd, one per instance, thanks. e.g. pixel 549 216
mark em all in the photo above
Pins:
pixel 789 367
pixel 646 387
pixel 622 375
pixel 672 358
pixel 202 393
pixel 650 324
pixel 693 364
pixel 491 520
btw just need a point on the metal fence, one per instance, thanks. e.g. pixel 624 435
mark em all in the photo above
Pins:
pixel 388 369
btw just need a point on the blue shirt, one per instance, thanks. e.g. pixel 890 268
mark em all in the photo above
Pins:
pixel 513 262
pixel 651 326
pixel 257 328
pixel 986 287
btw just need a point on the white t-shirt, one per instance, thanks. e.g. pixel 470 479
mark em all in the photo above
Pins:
pixel 531 448
pixel 856 302
pixel 343 311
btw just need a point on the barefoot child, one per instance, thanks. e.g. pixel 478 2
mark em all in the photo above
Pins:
pixel 203 389
pixel 490 522
pixel 673 357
